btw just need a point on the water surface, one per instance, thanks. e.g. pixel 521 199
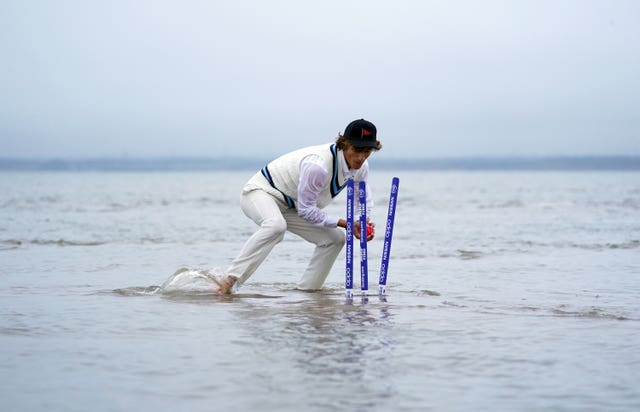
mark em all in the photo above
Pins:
pixel 507 291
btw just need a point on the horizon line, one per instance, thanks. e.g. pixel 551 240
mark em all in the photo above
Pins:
pixel 204 163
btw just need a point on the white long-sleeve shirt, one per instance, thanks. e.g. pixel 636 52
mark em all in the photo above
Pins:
pixel 313 174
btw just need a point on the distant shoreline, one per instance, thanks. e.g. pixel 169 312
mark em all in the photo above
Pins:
pixel 548 163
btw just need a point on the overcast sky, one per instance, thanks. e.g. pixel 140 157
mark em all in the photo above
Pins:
pixel 256 78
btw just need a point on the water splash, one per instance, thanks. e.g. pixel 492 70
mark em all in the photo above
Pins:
pixel 192 281
pixel 184 282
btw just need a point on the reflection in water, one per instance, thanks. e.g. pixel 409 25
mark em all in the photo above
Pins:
pixel 345 348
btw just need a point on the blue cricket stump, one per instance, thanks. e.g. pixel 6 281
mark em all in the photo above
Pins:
pixel 388 235
pixel 364 270
pixel 348 283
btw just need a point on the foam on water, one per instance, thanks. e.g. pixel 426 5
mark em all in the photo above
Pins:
pixel 137 291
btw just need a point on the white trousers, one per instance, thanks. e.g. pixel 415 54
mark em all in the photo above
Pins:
pixel 274 219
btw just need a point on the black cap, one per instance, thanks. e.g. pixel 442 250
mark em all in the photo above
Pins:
pixel 362 133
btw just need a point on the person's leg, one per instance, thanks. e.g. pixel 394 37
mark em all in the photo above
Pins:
pixel 263 209
pixel 329 243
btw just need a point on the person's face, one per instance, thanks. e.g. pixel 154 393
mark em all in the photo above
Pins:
pixel 355 156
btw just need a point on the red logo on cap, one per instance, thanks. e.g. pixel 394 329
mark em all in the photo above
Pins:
pixel 366 132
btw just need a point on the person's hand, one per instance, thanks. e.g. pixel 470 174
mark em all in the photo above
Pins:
pixel 371 231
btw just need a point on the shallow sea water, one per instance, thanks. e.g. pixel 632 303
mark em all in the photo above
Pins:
pixel 507 291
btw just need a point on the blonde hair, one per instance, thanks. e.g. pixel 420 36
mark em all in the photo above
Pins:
pixel 342 143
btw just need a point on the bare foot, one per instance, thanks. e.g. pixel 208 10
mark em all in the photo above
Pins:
pixel 226 283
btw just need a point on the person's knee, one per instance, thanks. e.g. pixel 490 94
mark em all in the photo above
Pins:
pixel 275 227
